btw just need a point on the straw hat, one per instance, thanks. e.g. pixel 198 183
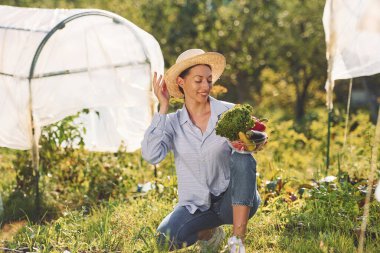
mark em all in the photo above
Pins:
pixel 190 58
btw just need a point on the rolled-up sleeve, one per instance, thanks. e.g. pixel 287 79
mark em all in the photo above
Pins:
pixel 158 139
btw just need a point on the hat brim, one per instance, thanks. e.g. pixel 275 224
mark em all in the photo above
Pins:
pixel 216 61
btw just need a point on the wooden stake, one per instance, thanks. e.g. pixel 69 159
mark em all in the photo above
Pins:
pixel 329 116
pixel 330 81
pixel 35 153
pixel 348 114
pixel 370 185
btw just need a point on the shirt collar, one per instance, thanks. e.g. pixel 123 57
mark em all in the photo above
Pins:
pixel 183 115
pixel 217 108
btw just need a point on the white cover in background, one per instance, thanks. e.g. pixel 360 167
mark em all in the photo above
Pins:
pixel 377 192
pixel 110 67
pixel 355 47
pixel 353 40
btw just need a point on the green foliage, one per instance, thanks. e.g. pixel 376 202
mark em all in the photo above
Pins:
pixel 69 175
pixel 333 212
pixel 331 206
pixel 235 120
pixel 57 143
pixel 323 216
pixel 300 49
pixel 96 207
pixel 286 36
pixel 115 226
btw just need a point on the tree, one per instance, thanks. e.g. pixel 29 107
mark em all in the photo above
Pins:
pixel 286 36
pixel 301 48
pixel 245 31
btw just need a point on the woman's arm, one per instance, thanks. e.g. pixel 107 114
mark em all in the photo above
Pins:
pixel 158 137
pixel 157 140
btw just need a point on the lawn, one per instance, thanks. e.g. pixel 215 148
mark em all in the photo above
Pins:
pixel 92 202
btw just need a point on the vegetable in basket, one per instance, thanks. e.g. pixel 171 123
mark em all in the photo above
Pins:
pixel 235 120
pixel 241 128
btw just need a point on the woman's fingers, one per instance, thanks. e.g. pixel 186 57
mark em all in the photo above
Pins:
pixel 162 84
pixel 154 77
pixel 159 80
pixel 160 89
pixel 165 90
pixel 159 84
pixel 164 87
pixel 156 83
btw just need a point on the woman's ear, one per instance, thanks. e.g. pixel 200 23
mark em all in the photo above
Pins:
pixel 180 81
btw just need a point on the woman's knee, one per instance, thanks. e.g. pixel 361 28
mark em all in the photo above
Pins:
pixel 255 207
pixel 172 238
pixel 242 163
pixel 162 241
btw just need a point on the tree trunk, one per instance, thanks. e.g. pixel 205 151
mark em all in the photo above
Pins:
pixel 243 90
pixel 301 90
pixel 300 107
pixel 372 100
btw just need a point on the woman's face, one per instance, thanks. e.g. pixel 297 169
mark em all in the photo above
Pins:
pixel 197 83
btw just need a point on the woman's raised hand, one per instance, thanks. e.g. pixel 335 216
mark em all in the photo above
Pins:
pixel 161 92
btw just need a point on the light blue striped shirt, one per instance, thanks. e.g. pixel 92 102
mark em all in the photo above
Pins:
pixel 202 160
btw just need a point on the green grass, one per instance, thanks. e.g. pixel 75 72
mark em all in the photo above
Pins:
pixel 129 227
pixel 6 169
pixel 90 202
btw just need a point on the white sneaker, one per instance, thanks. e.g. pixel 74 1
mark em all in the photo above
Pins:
pixel 235 245
pixel 212 245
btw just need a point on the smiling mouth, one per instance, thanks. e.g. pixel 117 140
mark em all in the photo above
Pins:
pixel 203 93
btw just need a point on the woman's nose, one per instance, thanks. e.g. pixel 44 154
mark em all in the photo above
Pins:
pixel 205 84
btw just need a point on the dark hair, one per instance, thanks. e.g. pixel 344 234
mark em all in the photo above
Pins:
pixel 186 72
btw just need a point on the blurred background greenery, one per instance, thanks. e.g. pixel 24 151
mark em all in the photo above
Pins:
pixel 282 37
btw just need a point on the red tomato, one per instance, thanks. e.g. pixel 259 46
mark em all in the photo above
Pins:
pixel 259 126
pixel 238 145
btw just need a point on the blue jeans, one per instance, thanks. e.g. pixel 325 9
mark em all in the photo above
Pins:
pixel 181 227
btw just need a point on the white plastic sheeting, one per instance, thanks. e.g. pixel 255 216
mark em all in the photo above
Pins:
pixel 76 59
pixel 352 29
pixel 377 192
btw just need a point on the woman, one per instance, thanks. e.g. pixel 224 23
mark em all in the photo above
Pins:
pixel 215 186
